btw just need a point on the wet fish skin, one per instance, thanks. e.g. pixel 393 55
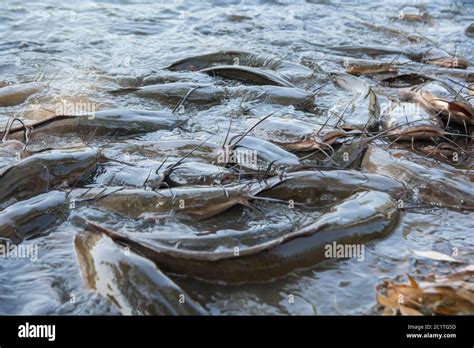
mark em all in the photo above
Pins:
pixel 470 30
pixel 362 67
pixel 132 283
pixel 249 75
pixel 12 95
pixel 440 99
pixel 207 151
pixel 268 154
pixel 175 91
pixel 190 202
pixel 296 135
pixel 349 155
pixel 29 218
pixel 45 171
pixel 376 51
pixel 10 152
pixel 422 124
pixel 433 186
pixel 291 96
pixel 292 135
pixel 195 173
pixel 115 122
pixel 448 62
pixel 286 68
pixel 186 174
pixel 202 61
pixel 362 217
pixel 128 176
pixel 364 100
pixel 171 93
pixel 322 188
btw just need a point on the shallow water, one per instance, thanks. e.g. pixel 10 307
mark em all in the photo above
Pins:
pixel 85 49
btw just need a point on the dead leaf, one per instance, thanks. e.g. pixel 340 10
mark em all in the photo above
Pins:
pixel 452 294
pixel 387 302
pixel 408 311
pixel 413 281
pixel 389 311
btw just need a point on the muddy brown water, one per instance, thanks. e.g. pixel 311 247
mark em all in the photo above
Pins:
pixel 91 47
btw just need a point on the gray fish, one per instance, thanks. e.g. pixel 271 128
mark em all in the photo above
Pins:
pixel 32 217
pixel 470 30
pixel 10 152
pixel 362 217
pixel 405 80
pixel 257 154
pixel 41 172
pixel 376 51
pixel 132 283
pixel 189 202
pixel 291 96
pixel 202 61
pixel 437 187
pixel 195 173
pixel 175 91
pixel 206 151
pixel 253 76
pixel 106 122
pixel 12 95
pixel 290 69
pixel 408 121
pixel 296 135
pixel 322 188
pixel 128 176
pixel 364 108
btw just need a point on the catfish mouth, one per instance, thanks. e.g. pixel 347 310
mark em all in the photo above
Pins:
pixel 307 105
pixel 418 132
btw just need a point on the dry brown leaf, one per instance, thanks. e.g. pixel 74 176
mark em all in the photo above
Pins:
pixel 387 302
pixel 443 310
pixel 413 281
pixel 389 311
pixel 408 311
pixel 448 295
pixel 410 294
pixel 466 294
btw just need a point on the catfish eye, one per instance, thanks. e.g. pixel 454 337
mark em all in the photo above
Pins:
pixel 304 137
